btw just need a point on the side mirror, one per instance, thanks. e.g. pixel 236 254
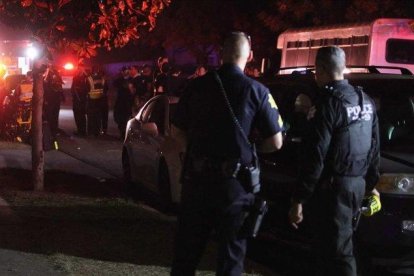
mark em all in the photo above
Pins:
pixel 150 129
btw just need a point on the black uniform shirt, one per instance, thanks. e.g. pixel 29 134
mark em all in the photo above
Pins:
pixel 330 116
pixel 80 87
pixel 203 114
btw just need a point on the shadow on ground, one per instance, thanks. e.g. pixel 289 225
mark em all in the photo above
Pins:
pixel 81 216
pixel 84 217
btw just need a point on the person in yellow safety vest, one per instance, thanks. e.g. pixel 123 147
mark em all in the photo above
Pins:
pixel 25 90
pixel 19 111
pixel 97 110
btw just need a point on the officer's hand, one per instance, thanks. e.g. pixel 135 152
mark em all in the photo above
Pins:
pixel 311 113
pixel 295 214
pixel 373 192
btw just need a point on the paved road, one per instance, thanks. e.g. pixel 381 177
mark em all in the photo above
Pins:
pixel 103 152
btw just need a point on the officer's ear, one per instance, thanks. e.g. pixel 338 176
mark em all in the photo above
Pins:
pixel 250 57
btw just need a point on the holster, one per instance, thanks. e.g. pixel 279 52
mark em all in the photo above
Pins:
pixel 249 177
pixel 253 219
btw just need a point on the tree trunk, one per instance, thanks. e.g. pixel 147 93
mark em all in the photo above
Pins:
pixel 37 132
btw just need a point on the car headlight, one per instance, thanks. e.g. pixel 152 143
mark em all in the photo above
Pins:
pixel 398 184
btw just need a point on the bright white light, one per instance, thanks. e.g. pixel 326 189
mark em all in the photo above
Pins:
pixel 69 66
pixel 32 52
pixel 347 71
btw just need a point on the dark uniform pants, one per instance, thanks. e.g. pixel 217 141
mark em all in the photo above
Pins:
pixel 122 114
pixel 332 210
pixel 79 112
pixel 52 114
pixel 94 116
pixel 209 203
pixel 104 110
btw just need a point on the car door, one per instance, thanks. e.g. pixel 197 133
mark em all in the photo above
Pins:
pixel 148 143
pixel 279 174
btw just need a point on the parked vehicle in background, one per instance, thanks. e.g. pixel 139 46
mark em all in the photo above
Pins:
pixel 386 240
pixel 150 158
pixel 382 42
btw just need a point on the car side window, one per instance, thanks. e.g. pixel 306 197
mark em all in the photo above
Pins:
pixel 155 112
pixel 146 112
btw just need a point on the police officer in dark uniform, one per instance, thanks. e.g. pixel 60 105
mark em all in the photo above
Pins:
pixel 80 88
pixel 53 97
pixel 203 126
pixel 340 165
pixel 123 102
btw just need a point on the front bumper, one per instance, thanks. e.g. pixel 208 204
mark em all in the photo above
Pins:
pixel 387 227
pixel 384 238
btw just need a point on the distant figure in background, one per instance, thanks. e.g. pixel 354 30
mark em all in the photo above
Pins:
pixel 123 102
pixel 147 84
pixel 80 88
pixel 25 88
pixel 135 74
pixel 201 70
pixel 95 98
pixel 161 77
pixel 252 71
pixel 104 108
pixel 136 102
pixel 3 92
pixel 53 97
pixel 160 62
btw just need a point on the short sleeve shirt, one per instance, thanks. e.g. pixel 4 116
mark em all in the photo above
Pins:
pixel 203 114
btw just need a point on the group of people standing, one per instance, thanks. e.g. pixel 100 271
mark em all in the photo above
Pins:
pixel 134 87
pixel 90 102
pixel 137 84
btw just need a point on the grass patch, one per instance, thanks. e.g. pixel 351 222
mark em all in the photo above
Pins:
pixel 83 226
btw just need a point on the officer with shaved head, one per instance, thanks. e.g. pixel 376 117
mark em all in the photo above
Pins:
pixel 340 165
pixel 212 124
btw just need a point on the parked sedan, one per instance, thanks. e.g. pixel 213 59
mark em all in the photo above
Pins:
pixel 150 157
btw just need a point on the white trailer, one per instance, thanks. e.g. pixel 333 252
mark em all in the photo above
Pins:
pixel 383 42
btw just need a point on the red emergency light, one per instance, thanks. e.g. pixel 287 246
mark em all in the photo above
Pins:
pixel 69 66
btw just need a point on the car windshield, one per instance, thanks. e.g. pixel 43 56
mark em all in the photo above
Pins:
pixel 396 116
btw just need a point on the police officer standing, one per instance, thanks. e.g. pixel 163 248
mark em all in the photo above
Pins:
pixel 80 88
pixel 123 102
pixel 340 165
pixel 53 97
pixel 212 196
pixel 96 97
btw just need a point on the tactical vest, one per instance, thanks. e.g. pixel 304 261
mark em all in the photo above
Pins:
pixel 349 153
pixel 97 84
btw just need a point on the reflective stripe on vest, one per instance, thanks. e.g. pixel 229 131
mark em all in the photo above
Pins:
pixel 97 85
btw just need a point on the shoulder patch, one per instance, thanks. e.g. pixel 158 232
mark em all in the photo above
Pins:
pixel 272 102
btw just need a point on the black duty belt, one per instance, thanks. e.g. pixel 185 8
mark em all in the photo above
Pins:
pixel 227 168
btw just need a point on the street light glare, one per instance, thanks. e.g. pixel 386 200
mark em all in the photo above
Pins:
pixel 69 66
pixel 32 52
